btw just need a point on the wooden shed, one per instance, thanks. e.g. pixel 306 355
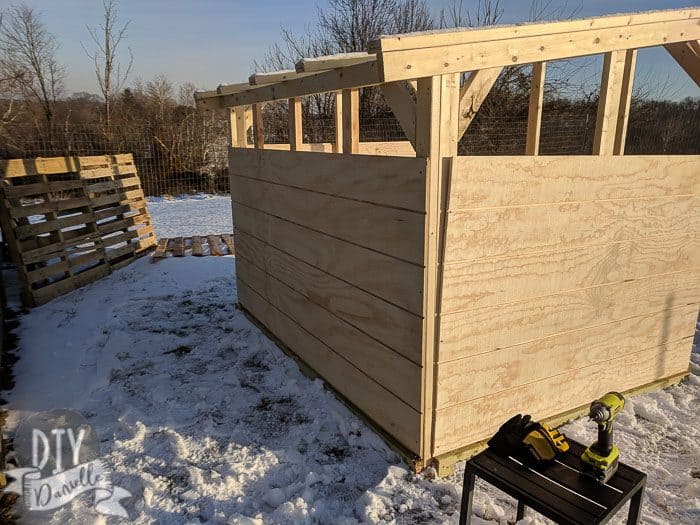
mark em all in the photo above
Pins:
pixel 440 294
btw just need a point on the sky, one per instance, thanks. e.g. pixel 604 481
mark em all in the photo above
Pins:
pixel 212 42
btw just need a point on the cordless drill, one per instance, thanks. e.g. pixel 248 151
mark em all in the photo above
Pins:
pixel 600 460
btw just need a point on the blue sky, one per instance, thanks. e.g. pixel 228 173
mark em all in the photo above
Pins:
pixel 215 41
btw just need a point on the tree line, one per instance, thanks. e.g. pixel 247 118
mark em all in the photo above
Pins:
pixel 179 150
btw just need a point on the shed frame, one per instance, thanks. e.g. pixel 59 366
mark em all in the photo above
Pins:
pixel 641 228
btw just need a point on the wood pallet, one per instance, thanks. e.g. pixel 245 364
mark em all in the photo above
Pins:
pixel 197 245
pixel 69 221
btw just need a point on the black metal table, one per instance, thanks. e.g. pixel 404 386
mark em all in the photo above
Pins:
pixel 557 491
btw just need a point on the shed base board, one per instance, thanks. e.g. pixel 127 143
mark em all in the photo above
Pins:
pixel 444 464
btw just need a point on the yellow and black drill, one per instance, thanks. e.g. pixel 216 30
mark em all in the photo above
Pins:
pixel 600 460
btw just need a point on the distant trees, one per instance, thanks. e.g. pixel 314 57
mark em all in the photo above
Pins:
pixel 180 150
pixel 111 74
pixel 29 55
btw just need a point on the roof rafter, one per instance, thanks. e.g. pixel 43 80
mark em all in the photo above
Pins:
pixel 259 79
pixel 323 63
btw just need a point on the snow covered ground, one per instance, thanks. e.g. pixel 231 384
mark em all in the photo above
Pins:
pixel 205 420
pixel 191 215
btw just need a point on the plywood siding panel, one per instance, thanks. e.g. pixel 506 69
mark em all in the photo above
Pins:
pixel 563 277
pixel 483 182
pixel 475 420
pixel 525 363
pixel 399 148
pixel 385 366
pixel 509 231
pixel 502 281
pixel 396 328
pixel 386 410
pixel 391 231
pixel 386 181
pixel 330 260
pixel 481 330
pixel 396 281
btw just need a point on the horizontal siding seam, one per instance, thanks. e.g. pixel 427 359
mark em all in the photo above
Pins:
pixel 564 203
pixel 568 291
pixel 334 195
pixel 393 350
pixel 495 392
pixel 557 334
pixel 331 349
pixel 383 299
pixel 570 249
pixel 321 232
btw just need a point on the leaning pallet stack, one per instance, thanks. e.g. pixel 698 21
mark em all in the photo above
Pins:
pixel 69 221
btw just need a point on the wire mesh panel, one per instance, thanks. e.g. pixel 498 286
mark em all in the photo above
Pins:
pixel 192 156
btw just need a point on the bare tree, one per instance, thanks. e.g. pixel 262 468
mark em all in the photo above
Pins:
pixel 185 94
pixel 345 26
pixel 482 13
pixel 352 24
pixel 26 44
pixel 412 15
pixel 10 78
pixel 160 93
pixel 110 75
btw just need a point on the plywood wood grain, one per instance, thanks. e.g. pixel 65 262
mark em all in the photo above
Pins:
pixel 386 181
pixel 480 330
pixel 391 231
pixel 396 281
pixel 385 409
pixel 385 366
pixel 525 363
pixel 504 280
pixel 483 182
pixel 519 230
pixel 478 419
pixel 383 321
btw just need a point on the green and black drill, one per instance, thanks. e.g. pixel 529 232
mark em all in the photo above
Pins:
pixel 600 460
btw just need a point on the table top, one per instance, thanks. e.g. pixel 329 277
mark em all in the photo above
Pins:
pixel 558 489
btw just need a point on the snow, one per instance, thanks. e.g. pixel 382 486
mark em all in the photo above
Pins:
pixel 191 215
pixel 205 420
pixel 323 58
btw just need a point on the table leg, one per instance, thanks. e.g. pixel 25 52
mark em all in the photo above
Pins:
pixel 635 507
pixel 465 511
pixel 521 511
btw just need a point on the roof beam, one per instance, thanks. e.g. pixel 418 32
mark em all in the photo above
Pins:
pixel 402 42
pixel 359 75
pixel 202 98
pixel 411 56
pixel 323 63
pixel 687 54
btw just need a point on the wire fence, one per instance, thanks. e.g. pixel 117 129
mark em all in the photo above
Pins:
pixel 194 158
